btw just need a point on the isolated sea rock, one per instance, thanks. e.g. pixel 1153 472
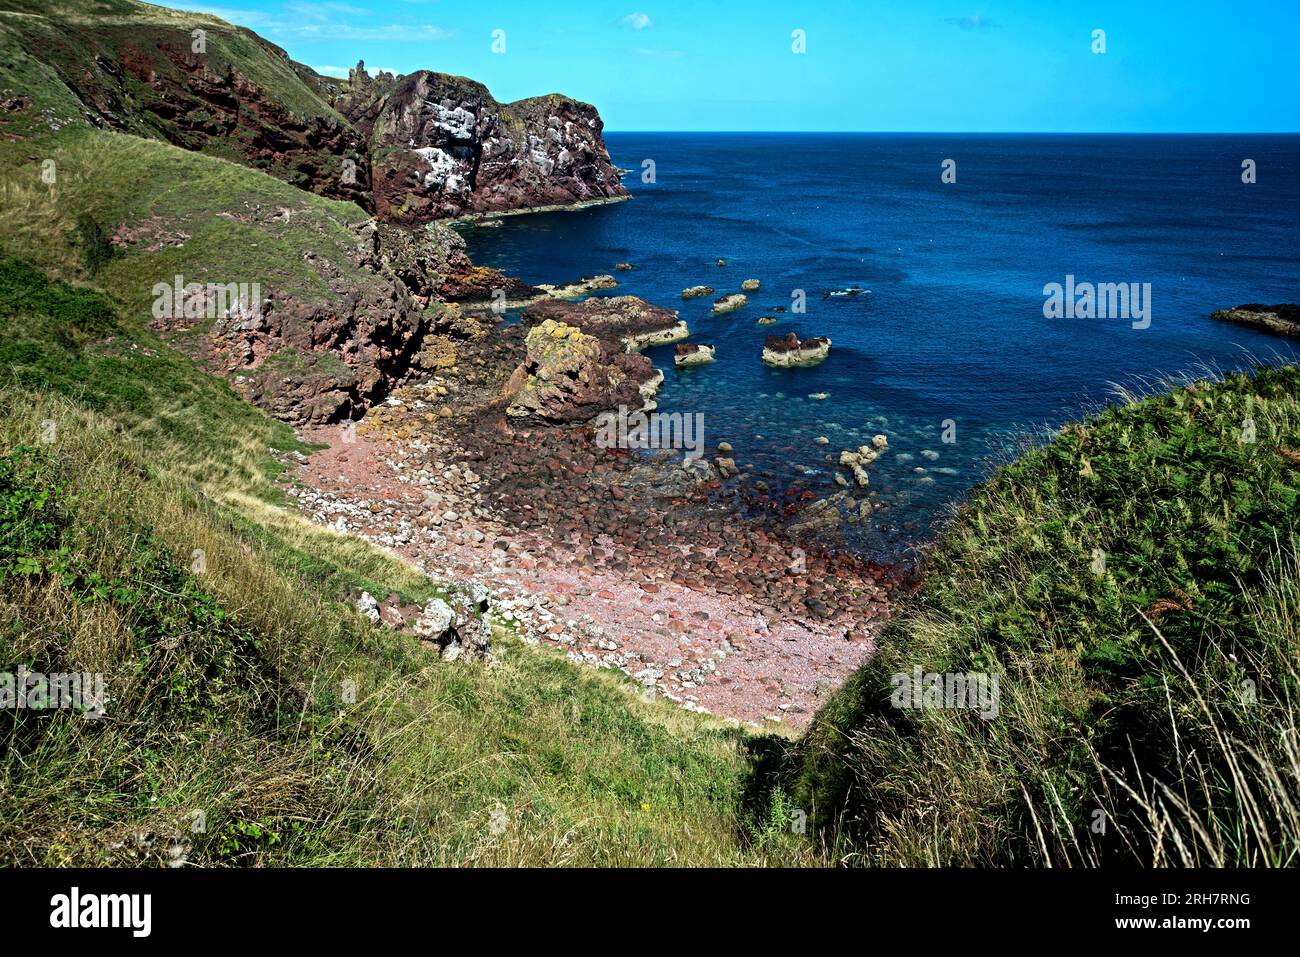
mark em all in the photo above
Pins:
pixel 693 354
pixel 729 303
pixel 443 147
pixel 694 292
pixel 570 376
pixel 750 285
pixel 791 351
pixel 1283 318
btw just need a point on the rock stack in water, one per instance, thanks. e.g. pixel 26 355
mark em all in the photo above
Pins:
pixel 791 351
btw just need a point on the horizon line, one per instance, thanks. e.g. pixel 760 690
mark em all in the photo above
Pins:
pixel 967 132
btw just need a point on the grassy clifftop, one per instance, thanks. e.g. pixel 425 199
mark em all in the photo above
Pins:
pixel 1133 586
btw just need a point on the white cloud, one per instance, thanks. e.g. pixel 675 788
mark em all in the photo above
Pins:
pixel 637 21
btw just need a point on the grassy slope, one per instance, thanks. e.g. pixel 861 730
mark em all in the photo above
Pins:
pixel 226 686
pixel 221 212
pixel 1162 691
pixel 69 32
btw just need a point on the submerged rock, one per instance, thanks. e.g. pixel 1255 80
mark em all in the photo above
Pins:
pixel 791 351
pixel 858 461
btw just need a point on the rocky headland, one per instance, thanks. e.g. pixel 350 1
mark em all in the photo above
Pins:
pixel 442 147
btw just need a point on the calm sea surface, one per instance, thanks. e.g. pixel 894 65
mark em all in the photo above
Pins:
pixel 950 323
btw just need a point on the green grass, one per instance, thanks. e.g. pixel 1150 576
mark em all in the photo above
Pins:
pixel 227 686
pixel 1159 688
pixel 211 220
pixel 54 337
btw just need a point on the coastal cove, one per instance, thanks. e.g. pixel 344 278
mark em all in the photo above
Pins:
pixel 949 325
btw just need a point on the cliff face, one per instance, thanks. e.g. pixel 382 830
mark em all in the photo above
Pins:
pixel 441 146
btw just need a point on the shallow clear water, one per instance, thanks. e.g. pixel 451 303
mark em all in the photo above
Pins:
pixel 953 326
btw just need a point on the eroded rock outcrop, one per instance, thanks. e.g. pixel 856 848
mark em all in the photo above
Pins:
pixel 433 263
pixel 328 357
pixel 572 376
pixel 729 303
pixel 442 146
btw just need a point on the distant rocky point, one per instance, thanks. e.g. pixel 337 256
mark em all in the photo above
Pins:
pixel 1283 318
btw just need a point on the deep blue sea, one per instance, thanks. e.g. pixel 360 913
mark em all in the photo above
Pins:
pixel 952 326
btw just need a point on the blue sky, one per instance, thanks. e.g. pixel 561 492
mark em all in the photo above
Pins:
pixel 904 65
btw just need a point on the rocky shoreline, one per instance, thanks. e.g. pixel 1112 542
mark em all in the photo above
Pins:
pixel 633 560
